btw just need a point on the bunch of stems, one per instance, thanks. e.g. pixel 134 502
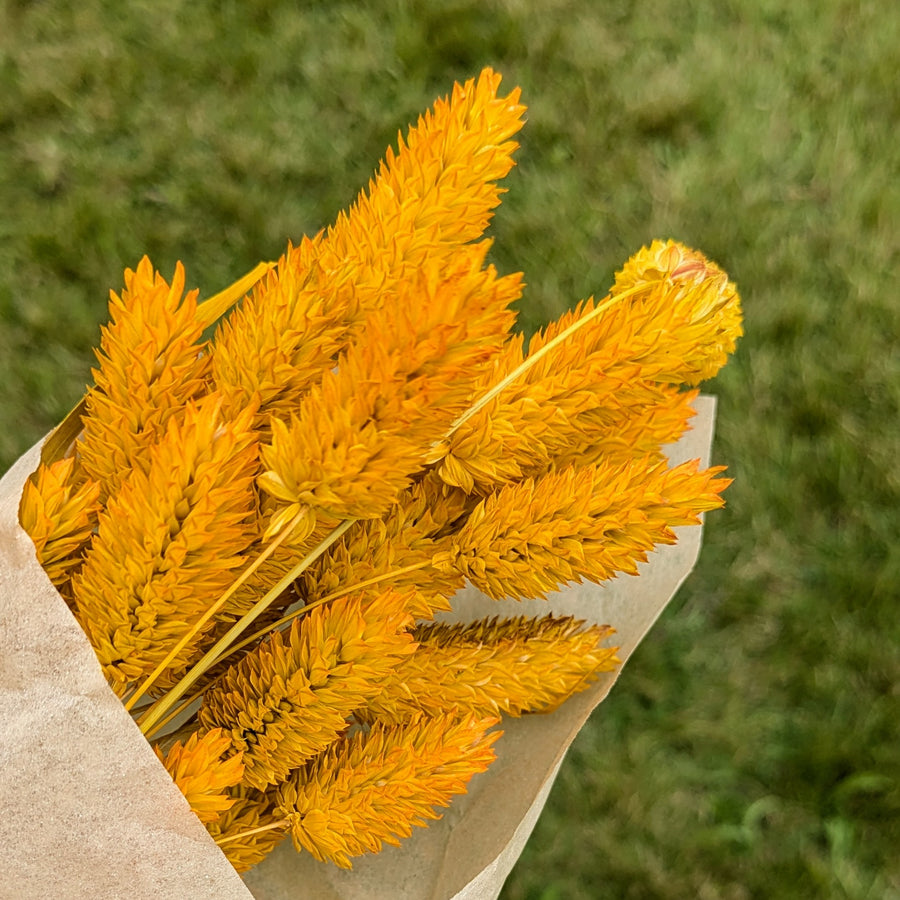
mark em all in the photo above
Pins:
pixel 256 531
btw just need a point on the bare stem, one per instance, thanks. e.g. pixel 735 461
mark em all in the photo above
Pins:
pixel 236 837
pixel 532 359
pixel 321 602
pixel 212 610
pixel 212 656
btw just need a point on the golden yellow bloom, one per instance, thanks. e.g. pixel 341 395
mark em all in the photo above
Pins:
pixel 289 699
pixel 335 457
pixel 203 773
pixel 676 330
pixel 442 323
pixel 372 788
pixel 152 362
pixel 494 666
pixel 251 810
pixel 361 434
pixel 397 549
pixel 696 306
pixel 589 522
pixel 439 190
pixel 641 430
pixel 271 349
pixel 428 199
pixel 169 544
pixel 59 513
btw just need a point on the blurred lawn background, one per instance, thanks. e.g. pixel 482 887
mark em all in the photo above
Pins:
pixel 751 748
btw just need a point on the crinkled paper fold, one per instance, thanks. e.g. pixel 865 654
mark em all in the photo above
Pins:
pixel 88 811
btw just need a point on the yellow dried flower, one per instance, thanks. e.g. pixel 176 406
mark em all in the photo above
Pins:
pixel 677 329
pixel 169 544
pixel 289 699
pixel 493 666
pixel 334 458
pixel 442 322
pixel 398 550
pixel 373 787
pixel 696 307
pixel 619 434
pixel 428 199
pixel 245 846
pixel 59 512
pixel 439 190
pixel 589 522
pixel 270 350
pixel 203 773
pixel 360 435
pixel 152 362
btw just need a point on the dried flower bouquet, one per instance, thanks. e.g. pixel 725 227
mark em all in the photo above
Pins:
pixel 256 531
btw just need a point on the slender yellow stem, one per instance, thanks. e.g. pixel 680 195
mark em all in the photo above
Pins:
pixel 531 360
pixel 246 642
pixel 334 595
pixel 212 610
pixel 174 714
pixel 212 656
pixel 282 823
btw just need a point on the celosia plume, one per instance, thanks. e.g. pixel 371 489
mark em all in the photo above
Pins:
pixel 373 787
pixel 336 457
pixel 428 199
pixel 494 666
pixel 203 773
pixel 398 550
pixel 169 544
pixel 362 433
pixel 152 362
pixel 289 699
pixel 620 434
pixel 59 512
pixel 590 522
pixel 677 317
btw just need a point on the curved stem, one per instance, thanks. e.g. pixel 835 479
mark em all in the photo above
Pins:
pixel 532 359
pixel 211 657
pixel 334 595
pixel 282 823
pixel 211 611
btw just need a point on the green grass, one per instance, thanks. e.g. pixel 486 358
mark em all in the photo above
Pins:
pixel 750 749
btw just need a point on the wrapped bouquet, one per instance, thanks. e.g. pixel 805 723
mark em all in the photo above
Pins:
pixel 311 552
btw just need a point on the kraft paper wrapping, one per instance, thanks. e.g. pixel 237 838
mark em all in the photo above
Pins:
pixel 88 812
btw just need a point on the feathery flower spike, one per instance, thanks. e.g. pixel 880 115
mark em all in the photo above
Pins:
pixel 591 522
pixel 59 513
pixel 289 699
pixel 435 194
pixel 151 363
pixel 168 545
pixel 397 550
pixel 360 435
pixel 494 666
pixel 372 788
pixel 202 774
pixel 672 317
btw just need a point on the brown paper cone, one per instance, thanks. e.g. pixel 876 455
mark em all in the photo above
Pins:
pixel 90 813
